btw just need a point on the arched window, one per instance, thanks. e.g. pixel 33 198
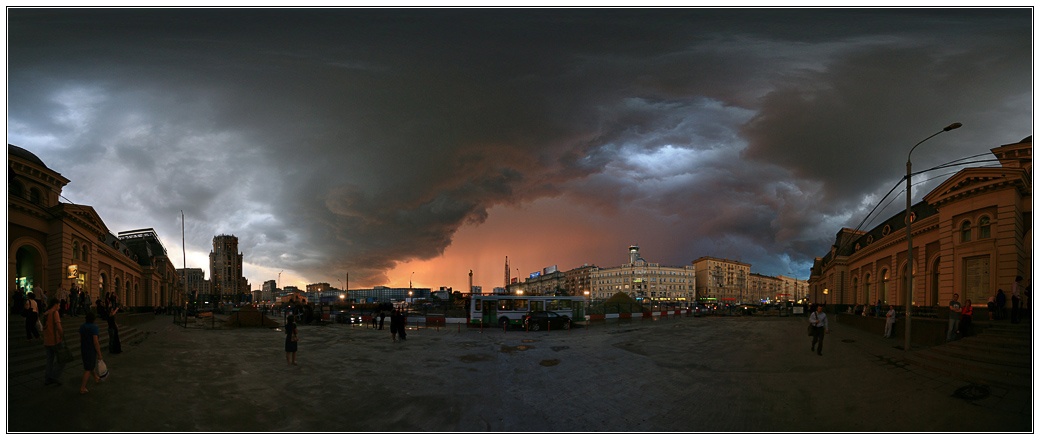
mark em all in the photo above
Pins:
pixel 966 231
pixel 16 189
pixel 984 227
pixel 883 286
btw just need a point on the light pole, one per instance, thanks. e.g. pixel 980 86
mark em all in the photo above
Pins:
pixel 909 236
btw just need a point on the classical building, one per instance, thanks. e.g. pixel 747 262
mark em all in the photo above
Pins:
pixel 53 245
pixel 640 279
pixel 723 281
pixel 225 270
pixel 971 235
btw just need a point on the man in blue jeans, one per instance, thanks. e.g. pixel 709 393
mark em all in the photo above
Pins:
pixel 955 318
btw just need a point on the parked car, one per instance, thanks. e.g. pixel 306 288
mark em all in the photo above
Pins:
pixel 748 309
pixel 535 321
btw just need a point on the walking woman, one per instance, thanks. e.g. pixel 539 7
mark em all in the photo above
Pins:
pixel 292 339
pixel 52 337
pixel 89 350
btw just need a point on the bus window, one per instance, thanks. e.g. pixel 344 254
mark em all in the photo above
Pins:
pixel 537 306
pixel 477 305
pixel 559 304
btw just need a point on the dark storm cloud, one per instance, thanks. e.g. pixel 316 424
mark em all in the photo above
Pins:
pixel 349 138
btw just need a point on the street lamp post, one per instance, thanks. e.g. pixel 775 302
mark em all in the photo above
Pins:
pixel 909 236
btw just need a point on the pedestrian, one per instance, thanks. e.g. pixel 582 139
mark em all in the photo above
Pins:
pixel 877 308
pixel 114 346
pixel 966 312
pixel 52 342
pixel 62 306
pixel 890 321
pixel 1001 302
pixel 89 350
pixel 1016 299
pixel 818 320
pixel 991 306
pixel 395 317
pixel 382 318
pixel 954 318
pixel 17 302
pixel 402 322
pixel 32 316
pixel 292 340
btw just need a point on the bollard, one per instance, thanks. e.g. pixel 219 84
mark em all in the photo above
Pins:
pixel 504 325
pixel 548 326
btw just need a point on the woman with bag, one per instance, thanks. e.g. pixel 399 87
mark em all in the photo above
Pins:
pixel 52 342
pixel 90 350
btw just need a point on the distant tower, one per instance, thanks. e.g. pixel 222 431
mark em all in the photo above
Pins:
pixel 225 270
pixel 633 254
pixel 505 282
pixel 471 281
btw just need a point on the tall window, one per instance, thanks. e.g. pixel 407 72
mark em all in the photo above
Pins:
pixel 984 227
pixel 75 249
pixel 966 231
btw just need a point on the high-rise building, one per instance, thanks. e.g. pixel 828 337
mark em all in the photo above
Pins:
pixel 197 284
pixel 723 281
pixel 225 270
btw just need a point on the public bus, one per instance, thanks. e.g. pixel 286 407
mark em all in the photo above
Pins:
pixel 499 310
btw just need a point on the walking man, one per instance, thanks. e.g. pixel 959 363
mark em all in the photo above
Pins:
pixel 818 319
pixel 954 318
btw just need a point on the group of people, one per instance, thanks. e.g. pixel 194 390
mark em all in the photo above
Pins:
pixel 960 316
pixel 45 323
pixel 398 324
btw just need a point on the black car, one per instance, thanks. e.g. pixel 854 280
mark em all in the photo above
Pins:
pixel 549 320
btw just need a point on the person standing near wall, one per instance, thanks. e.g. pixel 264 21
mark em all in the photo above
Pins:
pixel 890 321
pixel 954 318
pixel 32 315
pixel 1016 299
pixel 966 313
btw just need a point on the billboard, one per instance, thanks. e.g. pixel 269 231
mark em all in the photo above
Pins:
pixel 535 274
pixel 550 269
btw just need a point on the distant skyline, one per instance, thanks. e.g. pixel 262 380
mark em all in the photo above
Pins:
pixel 415 145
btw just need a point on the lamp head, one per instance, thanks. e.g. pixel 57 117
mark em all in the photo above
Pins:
pixel 952 126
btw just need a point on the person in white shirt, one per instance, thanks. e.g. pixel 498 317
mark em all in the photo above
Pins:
pixel 890 321
pixel 818 319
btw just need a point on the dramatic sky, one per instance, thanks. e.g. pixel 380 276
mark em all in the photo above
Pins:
pixel 405 144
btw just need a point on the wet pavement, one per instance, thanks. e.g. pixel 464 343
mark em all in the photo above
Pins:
pixel 710 374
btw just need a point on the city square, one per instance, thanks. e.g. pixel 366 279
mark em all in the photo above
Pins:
pixel 678 374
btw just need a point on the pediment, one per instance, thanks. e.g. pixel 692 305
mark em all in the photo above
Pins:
pixel 85 215
pixel 973 180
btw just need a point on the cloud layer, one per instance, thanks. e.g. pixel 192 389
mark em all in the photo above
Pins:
pixel 361 140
